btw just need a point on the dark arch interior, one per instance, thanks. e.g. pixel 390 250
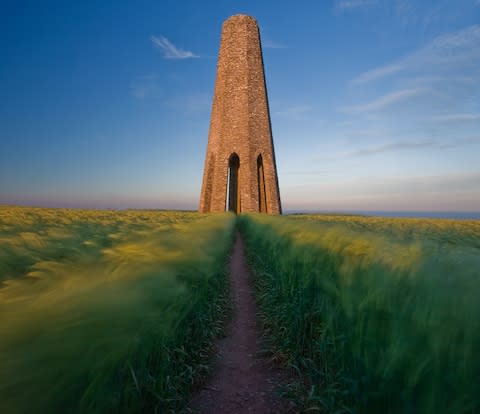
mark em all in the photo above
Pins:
pixel 262 200
pixel 233 195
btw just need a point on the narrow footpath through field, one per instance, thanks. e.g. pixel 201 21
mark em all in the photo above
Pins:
pixel 242 382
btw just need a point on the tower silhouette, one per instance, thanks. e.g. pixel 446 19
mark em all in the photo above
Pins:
pixel 240 173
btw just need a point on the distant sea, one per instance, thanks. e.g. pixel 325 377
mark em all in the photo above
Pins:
pixel 457 215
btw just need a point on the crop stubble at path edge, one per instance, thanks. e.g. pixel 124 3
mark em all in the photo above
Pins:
pixel 107 311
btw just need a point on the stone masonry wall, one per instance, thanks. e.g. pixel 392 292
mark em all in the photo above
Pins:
pixel 240 122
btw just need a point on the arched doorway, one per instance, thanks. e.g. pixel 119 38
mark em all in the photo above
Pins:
pixel 233 194
pixel 262 200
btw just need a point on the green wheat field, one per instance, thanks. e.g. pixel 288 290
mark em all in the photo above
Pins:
pixel 116 311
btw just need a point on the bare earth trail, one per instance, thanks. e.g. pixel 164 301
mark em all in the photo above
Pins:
pixel 241 382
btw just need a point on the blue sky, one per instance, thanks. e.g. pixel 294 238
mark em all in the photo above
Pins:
pixel 375 104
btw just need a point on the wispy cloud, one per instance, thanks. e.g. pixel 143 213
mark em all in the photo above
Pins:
pixel 412 145
pixel 170 51
pixel 353 4
pixel 452 188
pixel 296 113
pixel 445 52
pixel 379 72
pixel 192 103
pixel 391 147
pixel 385 101
pixel 396 146
pixel 144 86
pixel 455 117
pixel 270 44
pixel 307 172
pixel 406 10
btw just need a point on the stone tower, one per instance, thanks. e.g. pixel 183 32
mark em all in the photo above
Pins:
pixel 240 174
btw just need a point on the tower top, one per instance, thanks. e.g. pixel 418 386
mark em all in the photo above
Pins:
pixel 240 18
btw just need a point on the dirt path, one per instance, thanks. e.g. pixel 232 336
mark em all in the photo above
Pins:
pixel 241 382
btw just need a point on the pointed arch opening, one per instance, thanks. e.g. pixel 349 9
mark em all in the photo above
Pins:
pixel 233 188
pixel 262 200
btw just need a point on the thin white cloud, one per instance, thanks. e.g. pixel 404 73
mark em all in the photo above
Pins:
pixel 433 184
pixel 144 86
pixel 391 147
pixel 170 51
pixel 353 4
pixel 412 145
pixel 448 51
pixel 456 118
pixel 139 91
pixel 296 113
pixel 407 11
pixel 379 72
pixel 198 102
pixel 307 172
pixel 385 101
pixel 397 146
pixel 270 44
pixel 436 79
pixel 192 103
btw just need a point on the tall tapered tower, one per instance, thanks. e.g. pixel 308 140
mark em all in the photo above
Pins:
pixel 240 174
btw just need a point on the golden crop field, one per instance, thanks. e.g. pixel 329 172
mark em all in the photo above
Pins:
pixel 377 314
pixel 106 311
pixel 116 311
